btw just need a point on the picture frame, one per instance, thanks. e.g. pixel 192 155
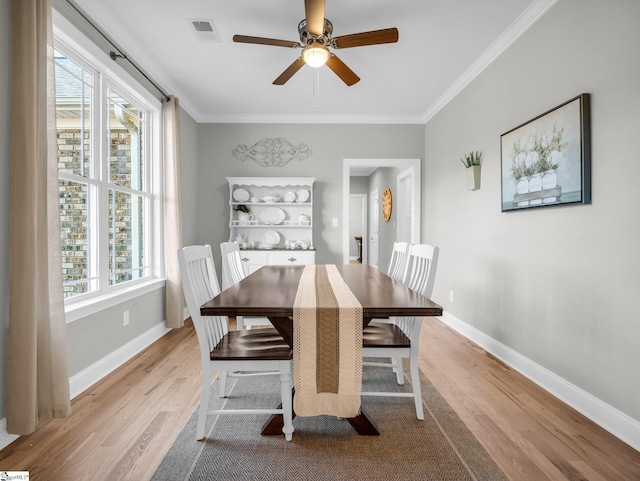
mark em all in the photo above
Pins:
pixel 546 161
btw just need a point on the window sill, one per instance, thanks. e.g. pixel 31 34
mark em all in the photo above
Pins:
pixel 77 309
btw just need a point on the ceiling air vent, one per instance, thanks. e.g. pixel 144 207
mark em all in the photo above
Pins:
pixel 205 29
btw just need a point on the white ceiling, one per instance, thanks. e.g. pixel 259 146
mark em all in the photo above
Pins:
pixel 442 45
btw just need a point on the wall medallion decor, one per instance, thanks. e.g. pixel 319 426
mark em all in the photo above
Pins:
pixel 547 160
pixel 387 204
pixel 272 152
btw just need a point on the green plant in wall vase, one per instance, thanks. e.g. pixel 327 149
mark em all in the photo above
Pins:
pixel 472 163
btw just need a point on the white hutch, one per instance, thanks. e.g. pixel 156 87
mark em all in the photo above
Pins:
pixel 272 220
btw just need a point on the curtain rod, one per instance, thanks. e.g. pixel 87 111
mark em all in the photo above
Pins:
pixel 118 53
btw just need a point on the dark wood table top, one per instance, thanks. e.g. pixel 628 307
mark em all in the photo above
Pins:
pixel 271 291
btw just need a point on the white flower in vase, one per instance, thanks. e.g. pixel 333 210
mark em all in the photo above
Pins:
pixel 521 157
pixel 531 159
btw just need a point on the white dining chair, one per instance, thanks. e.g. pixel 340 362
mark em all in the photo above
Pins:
pixel 400 339
pixel 232 273
pixel 231 353
pixel 396 270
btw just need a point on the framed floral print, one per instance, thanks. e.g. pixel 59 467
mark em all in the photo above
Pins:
pixel 547 160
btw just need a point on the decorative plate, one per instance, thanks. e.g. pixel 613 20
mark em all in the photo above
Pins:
pixel 289 197
pixel 270 238
pixel 241 195
pixel 387 202
pixel 272 216
pixel 302 195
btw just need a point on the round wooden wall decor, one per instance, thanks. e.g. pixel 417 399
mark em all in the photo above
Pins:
pixel 387 202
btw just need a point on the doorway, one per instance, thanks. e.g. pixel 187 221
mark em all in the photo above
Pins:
pixel 405 217
pixel 374 228
pixel 358 228
pixel 413 180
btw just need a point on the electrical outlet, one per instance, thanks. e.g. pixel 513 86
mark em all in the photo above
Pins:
pixel 125 318
pixel 335 222
pixel 451 296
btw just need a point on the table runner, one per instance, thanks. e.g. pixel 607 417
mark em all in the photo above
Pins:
pixel 327 347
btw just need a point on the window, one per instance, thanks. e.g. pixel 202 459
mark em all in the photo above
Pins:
pixel 105 139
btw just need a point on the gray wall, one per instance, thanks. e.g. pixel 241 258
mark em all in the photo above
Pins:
pixel 94 337
pixel 359 185
pixel 330 144
pixel 5 169
pixel 189 177
pixel 557 285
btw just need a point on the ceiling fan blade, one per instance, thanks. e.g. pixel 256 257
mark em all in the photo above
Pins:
pixel 289 72
pixel 375 37
pixel 341 70
pixel 265 41
pixel 314 13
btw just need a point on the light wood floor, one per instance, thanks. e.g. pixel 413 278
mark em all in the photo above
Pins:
pixel 122 427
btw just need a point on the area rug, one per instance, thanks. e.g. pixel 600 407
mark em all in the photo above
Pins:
pixel 327 448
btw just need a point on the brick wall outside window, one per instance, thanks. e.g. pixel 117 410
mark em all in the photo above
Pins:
pixel 73 207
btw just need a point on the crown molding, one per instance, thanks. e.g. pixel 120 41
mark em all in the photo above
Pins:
pixel 520 25
pixel 312 119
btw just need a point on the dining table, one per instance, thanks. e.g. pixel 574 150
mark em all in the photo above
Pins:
pixel 271 290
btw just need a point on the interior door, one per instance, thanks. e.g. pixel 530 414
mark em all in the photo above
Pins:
pixel 404 210
pixel 374 216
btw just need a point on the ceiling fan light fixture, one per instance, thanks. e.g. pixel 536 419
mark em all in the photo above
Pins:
pixel 315 55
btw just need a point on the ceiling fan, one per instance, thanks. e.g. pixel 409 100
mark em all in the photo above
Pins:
pixel 316 38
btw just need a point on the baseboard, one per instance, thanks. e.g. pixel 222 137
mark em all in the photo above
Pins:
pixel 86 378
pixel 616 422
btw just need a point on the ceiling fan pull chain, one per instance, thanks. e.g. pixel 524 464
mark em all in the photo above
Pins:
pixel 317 88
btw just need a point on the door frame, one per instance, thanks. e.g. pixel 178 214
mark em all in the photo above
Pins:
pixel 347 164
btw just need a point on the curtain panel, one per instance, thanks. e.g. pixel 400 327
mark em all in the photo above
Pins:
pixel 37 378
pixel 174 309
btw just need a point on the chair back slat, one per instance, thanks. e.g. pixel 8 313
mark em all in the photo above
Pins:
pixel 398 260
pixel 232 273
pixel 200 284
pixel 420 273
pixel 232 270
